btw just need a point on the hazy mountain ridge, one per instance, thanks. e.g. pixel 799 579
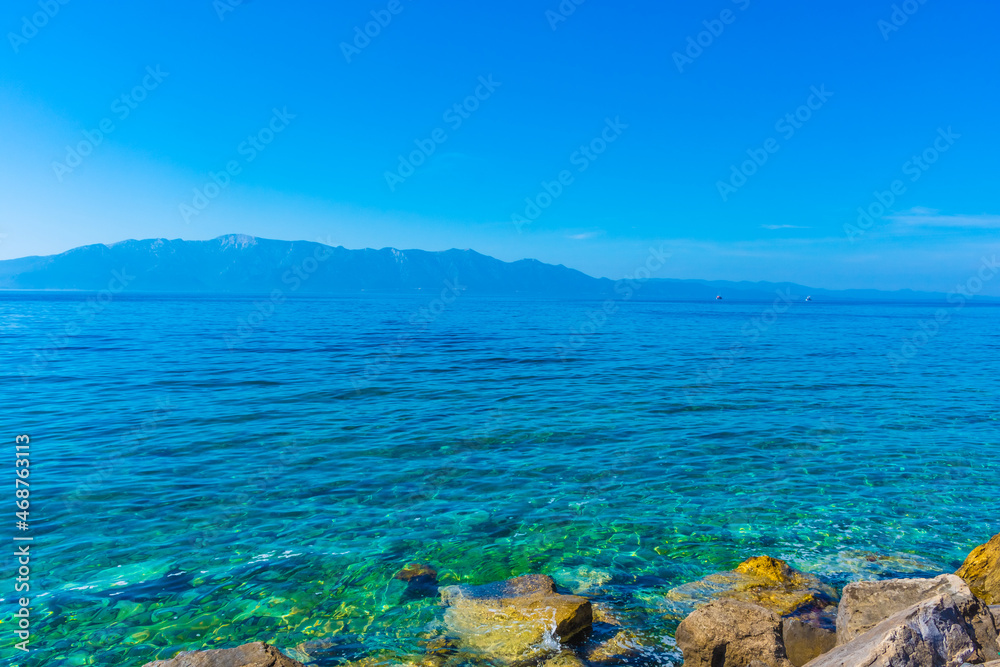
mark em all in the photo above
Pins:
pixel 245 264
pixel 242 264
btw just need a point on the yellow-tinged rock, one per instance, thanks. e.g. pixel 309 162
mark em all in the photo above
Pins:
pixel 514 620
pixel 764 581
pixel 439 650
pixel 981 570
pixel 564 658
pixel 769 569
pixel 416 571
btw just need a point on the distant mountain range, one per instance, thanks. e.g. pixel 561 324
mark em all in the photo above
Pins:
pixel 249 265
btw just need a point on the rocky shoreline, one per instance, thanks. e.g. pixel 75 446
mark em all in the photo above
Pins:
pixel 762 614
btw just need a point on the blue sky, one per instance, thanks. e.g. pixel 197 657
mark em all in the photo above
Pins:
pixel 596 133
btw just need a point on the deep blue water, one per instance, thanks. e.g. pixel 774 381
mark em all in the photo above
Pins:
pixel 201 479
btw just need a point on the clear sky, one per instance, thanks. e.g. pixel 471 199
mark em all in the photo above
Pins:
pixel 635 129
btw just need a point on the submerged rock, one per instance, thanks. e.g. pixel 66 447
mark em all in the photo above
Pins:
pixel 257 654
pixel 849 565
pixel 582 580
pixel 421 580
pixel 981 570
pixel 941 631
pixel 605 614
pixel 420 571
pixel 865 604
pixel 306 651
pixel 516 619
pixel 437 652
pixel 616 650
pixel 768 582
pixel 731 633
pixel 564 659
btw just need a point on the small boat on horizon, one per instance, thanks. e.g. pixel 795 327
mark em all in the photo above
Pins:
pixel 809 298
pixel 719 297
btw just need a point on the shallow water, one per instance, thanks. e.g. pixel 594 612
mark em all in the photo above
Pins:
pixel 198 482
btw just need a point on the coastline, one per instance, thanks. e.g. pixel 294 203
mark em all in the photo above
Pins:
pixel 763 613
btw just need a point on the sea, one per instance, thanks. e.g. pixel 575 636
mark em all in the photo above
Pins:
pixel 206 471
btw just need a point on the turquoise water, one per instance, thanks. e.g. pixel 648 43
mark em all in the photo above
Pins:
pixel 201 482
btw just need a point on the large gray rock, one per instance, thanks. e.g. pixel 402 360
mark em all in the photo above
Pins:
pixel 731 633
pixel 257 654
pixel 514 620
pixel 865 604
pixel 942 631
pixel 995 609
pixel 805 640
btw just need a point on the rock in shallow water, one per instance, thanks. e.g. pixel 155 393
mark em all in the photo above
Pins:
pixel 416 571
pixel 564 659
pixel 616 650
pixel 605 614
pixel 981 570
pixel 514 620
pixel 807 604
pixel 765 581
pixel 257 654
pixel 731 633
pixel 942 631
pixel 421 580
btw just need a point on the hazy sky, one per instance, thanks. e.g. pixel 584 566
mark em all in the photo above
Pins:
pixel 579 137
